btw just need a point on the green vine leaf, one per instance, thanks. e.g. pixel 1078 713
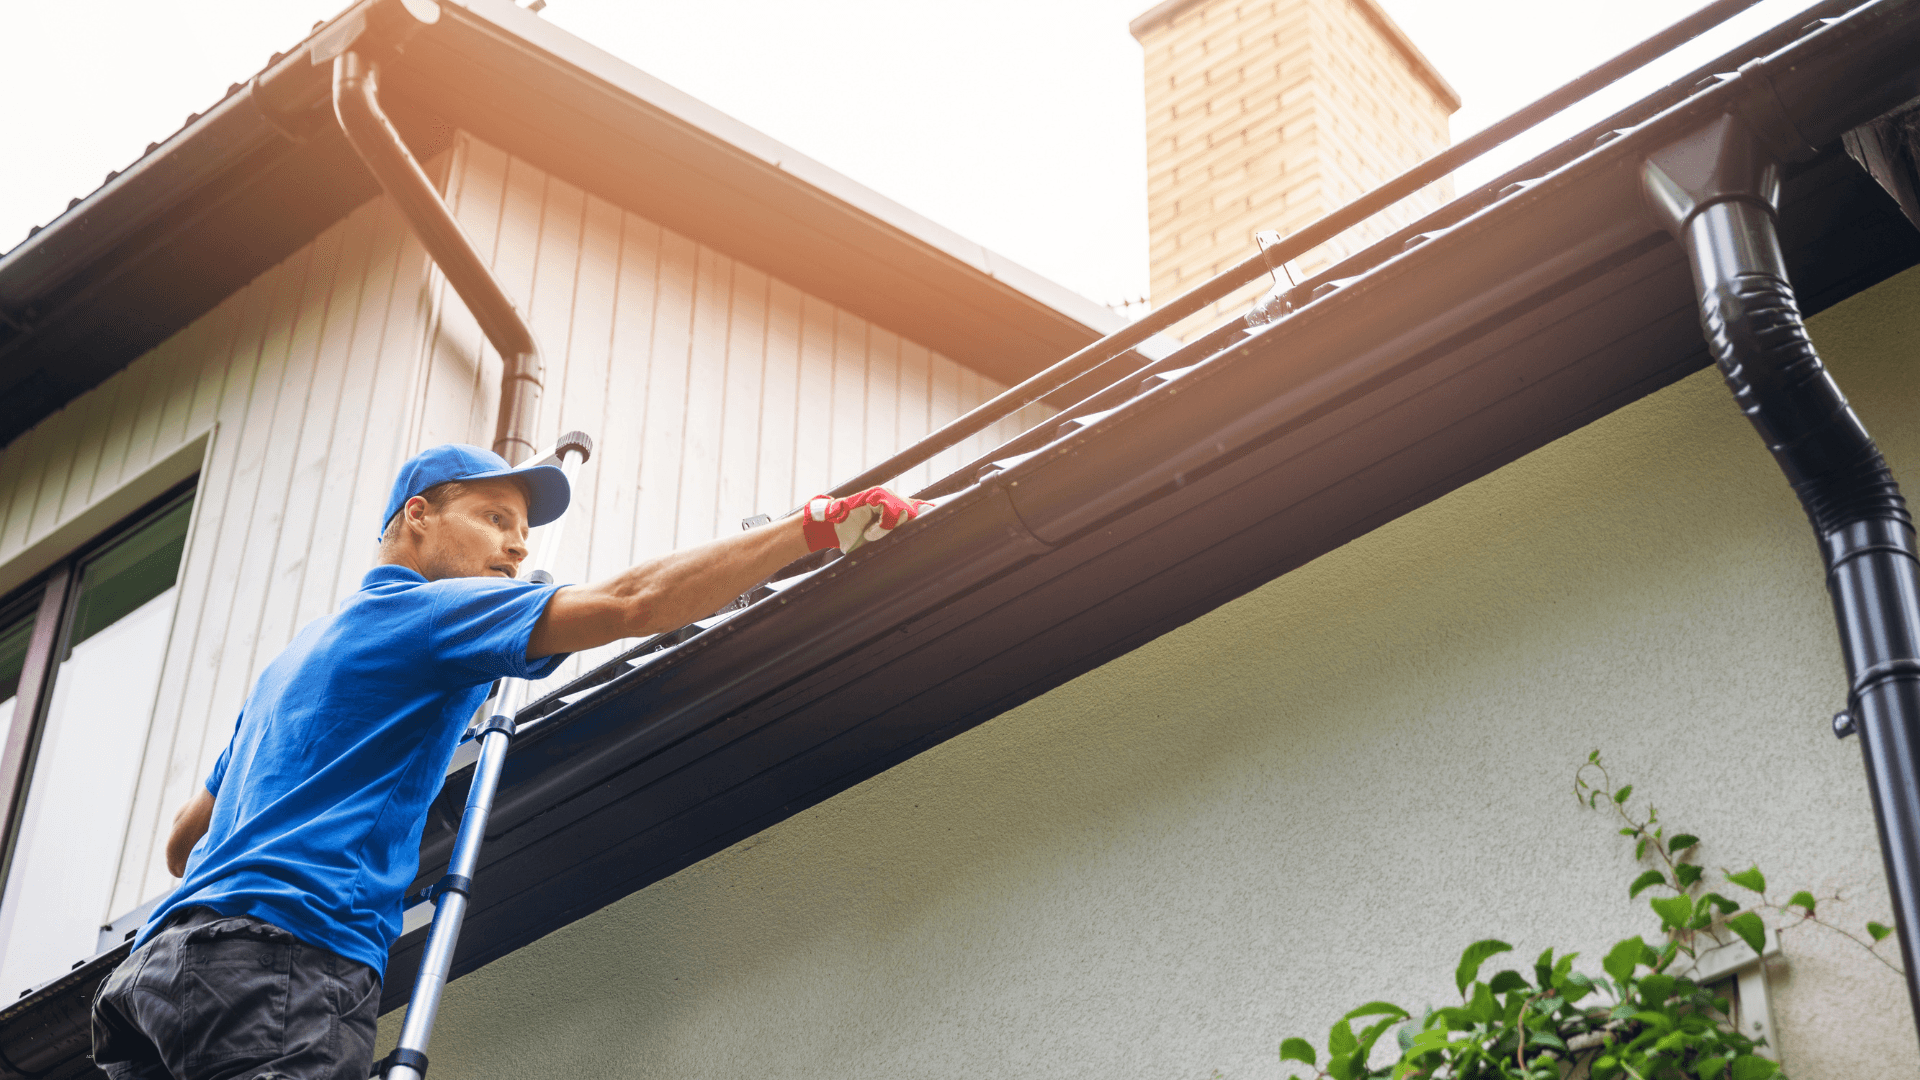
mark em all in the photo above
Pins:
pixel 1340 1041
pixel 1702 914
pixel 1432 1040
pixel 1623 958
pixel 1656 1021
pixel 1370 1036
pixel 1378 1008
pixel 1483 1008
pixel 1563 973
pixel 1726 906
pixel 1752 1067
pixel 1688 875
pixel 1750 878
pixel 1475 955
pixel 1880 931
pixel 1644 882
pixel 1507 981
pixel 1802 899
pixel 1623 794
pixel 1751 930
pixel 1297 1050
pixel 1681 842
pixel 1673 910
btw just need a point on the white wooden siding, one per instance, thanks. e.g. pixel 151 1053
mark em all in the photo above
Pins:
pixel 712 391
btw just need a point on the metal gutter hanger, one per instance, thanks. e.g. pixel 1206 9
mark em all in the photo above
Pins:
pixel 1718 191
pixel 356 102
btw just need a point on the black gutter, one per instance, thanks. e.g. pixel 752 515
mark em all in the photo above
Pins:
pixel 48 1034
pixel 1356 407
pixel 1718 191
pixel 356 101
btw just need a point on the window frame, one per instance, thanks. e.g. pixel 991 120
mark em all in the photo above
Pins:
pixel 57 587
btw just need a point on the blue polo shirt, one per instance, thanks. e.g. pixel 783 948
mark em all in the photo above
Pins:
pixel 321 795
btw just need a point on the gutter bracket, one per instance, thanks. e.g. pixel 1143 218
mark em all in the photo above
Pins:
pixel 1717 191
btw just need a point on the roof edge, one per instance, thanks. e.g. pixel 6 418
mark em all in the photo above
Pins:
pixel 1167 10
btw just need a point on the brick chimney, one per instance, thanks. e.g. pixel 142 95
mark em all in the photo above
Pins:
pixel 1268 114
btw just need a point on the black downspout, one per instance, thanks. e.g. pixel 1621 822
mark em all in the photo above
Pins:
pixel 1718 192
pixel 356 101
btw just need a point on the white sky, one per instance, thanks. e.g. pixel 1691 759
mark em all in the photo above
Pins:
pixel 1018 123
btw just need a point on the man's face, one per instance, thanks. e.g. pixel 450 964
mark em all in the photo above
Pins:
pixel 479 532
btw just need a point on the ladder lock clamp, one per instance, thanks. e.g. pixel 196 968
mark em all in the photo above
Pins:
pixel 452 883
pixel 412 1059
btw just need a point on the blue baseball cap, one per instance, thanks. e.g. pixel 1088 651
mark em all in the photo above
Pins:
pixel 547 489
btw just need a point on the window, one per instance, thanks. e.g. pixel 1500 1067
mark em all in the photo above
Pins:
pixel 80 656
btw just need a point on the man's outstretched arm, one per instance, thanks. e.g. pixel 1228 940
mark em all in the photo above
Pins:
pixel 673 590
pixel 664 593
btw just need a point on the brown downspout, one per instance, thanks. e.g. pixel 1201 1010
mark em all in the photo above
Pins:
pixel 356 101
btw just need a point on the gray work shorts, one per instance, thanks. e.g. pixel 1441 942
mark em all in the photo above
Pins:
pixel 219 997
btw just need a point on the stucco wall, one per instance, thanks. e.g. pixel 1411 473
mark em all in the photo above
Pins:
pixel 1312 797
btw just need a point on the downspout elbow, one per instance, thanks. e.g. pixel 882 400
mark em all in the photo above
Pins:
pixel 1717 194
pixel 356 103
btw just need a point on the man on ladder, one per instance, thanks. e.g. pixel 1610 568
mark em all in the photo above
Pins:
pixel 266 961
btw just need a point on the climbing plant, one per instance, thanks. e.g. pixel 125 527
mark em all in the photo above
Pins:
pixel 1644 1018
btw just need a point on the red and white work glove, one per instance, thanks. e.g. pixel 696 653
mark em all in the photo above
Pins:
pixel 850 522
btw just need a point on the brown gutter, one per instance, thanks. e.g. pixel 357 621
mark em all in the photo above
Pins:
pixel 356 101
